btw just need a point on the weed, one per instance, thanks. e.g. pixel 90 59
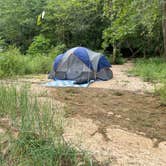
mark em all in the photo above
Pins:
pixel 154 70
pixel 161 91
pixel 40 128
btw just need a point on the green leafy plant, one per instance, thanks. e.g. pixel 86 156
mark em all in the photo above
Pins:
pixel 59 49
pixel 40 45
pixel 12 63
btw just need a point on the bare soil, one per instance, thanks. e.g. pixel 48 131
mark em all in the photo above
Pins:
pixel 136 112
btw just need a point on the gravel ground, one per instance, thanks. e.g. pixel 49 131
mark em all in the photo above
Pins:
pixel 124 81
pixel 123 148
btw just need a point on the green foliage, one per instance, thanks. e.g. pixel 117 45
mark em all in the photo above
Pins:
pixel 40 45
pixel 12 62
pixel 59 49
pixel 152 69
pixel 133 24
pixel 39 125
pixel 161 91
pixel 3 45
pixel 118 59
pixel 18 21
pixel 38 64
pixel 74 22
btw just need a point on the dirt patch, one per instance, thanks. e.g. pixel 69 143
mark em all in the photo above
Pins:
pixel 117 127
pixel 135 112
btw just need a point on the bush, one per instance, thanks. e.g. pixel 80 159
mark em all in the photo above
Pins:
pixel 40 45
pixel 118 59
pixel 3 45
pixel 59 49
pixel 12 62
pixel 38 64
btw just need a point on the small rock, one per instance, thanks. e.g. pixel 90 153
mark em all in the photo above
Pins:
pixel 110 113
pixel 2 131
pixel 162 146
pixel 118 116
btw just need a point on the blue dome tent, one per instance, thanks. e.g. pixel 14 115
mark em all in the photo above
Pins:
pixel 82 65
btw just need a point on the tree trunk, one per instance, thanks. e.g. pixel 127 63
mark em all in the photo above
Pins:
pixel 164 25
pixel 114 53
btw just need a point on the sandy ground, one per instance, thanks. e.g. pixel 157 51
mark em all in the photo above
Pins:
pixel 115 145
pixel 124 81
pixel 122 149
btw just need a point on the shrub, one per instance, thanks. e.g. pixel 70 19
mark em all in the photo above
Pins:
pixel 40 45
pixel 118 59
pixel 12 62
pixel 39 64
pixel 59 49
pixel 3 45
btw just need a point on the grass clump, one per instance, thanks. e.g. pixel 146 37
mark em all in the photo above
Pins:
pixel 154 70
pixel 161 91
pixel 38 140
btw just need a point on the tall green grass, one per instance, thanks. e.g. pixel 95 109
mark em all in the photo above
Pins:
pixel 40 128
pixel 12 63
pixel 154 70
pixel 161 91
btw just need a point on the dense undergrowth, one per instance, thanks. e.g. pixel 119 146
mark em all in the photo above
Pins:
pixel 153 70
pixel 13 63
pixel 34 136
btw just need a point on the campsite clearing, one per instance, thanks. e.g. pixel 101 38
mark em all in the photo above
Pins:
pixel 119 121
